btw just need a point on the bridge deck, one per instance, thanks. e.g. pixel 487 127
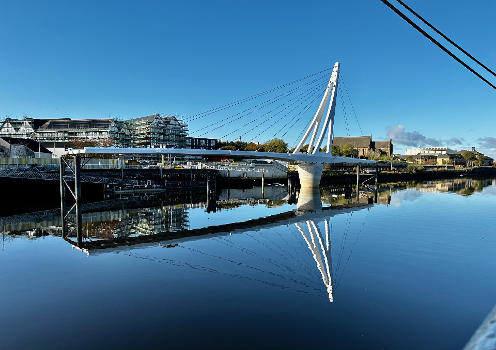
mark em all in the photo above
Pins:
pixel 320 157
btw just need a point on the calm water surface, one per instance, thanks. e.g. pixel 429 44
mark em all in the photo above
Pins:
pixel 414 270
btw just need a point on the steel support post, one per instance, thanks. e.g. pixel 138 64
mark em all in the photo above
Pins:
pixel 357 181
pixel 208 185
pixel 263 183
pixel 77 194
pixel 376 175
pixel 62 197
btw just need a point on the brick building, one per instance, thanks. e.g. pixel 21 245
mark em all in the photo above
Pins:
pixel 365 145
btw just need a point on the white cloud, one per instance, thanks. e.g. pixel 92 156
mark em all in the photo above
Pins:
pixel 414 138
pixel 488 145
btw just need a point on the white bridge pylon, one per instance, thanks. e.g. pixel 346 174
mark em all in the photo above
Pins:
pixel 321 256
pixel 315 125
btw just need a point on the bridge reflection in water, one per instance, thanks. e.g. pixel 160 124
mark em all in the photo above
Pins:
pixel 124 225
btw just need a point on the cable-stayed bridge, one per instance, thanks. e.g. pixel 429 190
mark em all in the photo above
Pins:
pixel 308 153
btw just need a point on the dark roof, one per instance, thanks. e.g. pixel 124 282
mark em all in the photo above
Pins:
pixel 357 142
pixel 35 122
pixel 146 118
pixel 382 144
pixel 75 124
pixel 449 155
pixel 29 143
pixel 151 118
pixel 38 122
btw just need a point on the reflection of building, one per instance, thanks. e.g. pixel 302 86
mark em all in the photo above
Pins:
pixel 253 195
pixel 149 221
pixel 460 186
pixel 135 222
pixel 365 145
pixel 108 224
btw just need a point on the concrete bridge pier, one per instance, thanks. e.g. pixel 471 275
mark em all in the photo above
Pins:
pixel 310 174
pixel 309 197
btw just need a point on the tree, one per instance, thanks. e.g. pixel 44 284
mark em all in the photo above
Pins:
pixel 336 150
pixel 240 145
pixel 469 157
pixel 232 145
pixel 252 146
pixel 480 159
pixel 413 168
pixel 348 151
pixel 276 145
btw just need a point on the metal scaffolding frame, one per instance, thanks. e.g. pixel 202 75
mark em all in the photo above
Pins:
pixel 75 191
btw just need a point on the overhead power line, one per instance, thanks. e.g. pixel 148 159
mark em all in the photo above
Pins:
pixel 441 46
pixel 446 37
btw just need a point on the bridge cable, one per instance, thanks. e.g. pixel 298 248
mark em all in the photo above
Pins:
pixel 228 243
pixel 252 97
pixel 300 118
pixel 340 277
pixel 181 264
pixel 256 119
pixel 261 105
pixel 241 101
pixel 437 43
pixel 301 100
pixel 343 243
pixel 252 108
pixel 312 98
pixel 266 113
pixel 248 266
pixel 346 121
pixel 348 95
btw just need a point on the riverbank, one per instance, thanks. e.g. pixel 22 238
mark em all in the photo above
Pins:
pixel 329 177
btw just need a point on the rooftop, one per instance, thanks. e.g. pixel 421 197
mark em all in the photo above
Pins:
pixel 358 142
pixel 29 143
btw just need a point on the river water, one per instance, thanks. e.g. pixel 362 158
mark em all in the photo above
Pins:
pixel 416 269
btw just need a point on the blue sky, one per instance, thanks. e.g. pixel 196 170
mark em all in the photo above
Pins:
pixel 129 59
